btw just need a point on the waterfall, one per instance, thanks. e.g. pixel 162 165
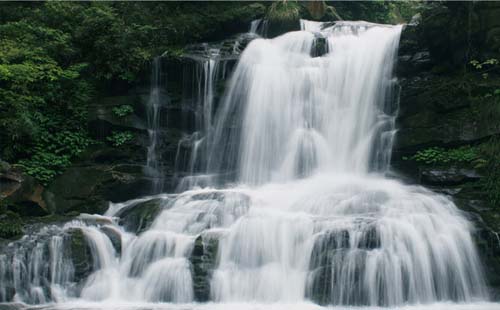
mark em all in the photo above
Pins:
pixel 259 27
pixel 300 114
pixel 301 141
pixel 153 109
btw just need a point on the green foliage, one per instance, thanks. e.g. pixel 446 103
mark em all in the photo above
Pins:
pixel 490 152
pixel 284 11
pixel 123 110
pixel 484 157
pixel 43 97
pixel 438 155
pixel 487 63
pixel 55 55
pixel 11 224
pixel 53 154
pixel 378 11
pixel 120 138
pixel 484 67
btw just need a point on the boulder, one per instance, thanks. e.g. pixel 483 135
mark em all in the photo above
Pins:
pixel 80 254
pixel 447 176
pixel 88 189
pixel 114 236
pixel 139 217
pixel 20 192
pixel 203 262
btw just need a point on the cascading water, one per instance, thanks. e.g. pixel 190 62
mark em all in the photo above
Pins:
pixel 153 108
pixel 310 216
pixel 206 73
pixel 211 65
pixel 300 114
pixel 259 27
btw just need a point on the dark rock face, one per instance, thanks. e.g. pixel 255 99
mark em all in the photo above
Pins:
pixel 114 236
pixel 80 255
pixel 20 192
pixel 139 217
pixel 445 177
pixel 439 106
pixel 203 262
pixel 87 189
pixel 327 265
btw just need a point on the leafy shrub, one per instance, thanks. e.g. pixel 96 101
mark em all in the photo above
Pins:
pixel 123 110
pixel 11 224
pixel 54 153
pixel 438 155
pixel 120 138
pixel 484 67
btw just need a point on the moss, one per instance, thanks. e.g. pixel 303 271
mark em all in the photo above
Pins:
pixel 284 12
pixel 11 225
pixel 80 254
pixel 138 218
pixel 491 182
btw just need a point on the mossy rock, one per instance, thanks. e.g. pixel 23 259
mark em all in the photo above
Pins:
pixel 11 225
pixel 445 110
pixel 88 189
pixel 114 236
pixel 283 16
pixel 139 217
pixel 77 189
pixel 80 254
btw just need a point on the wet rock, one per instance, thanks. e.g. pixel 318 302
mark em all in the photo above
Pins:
pixel 447 176
pixel 93 219
pixel 203 262
pixel 222 196
pixel 80 254
pixel 13 306
pixel 114 236
pixel 370 238
pixel 320 47
pixel 326 244
pixel 327 284
pixel 139 217
pixel 103 120
pixel 87 189
pixel 319 289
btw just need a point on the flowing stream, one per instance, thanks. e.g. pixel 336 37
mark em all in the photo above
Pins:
pixel 298 214
pixel 153 108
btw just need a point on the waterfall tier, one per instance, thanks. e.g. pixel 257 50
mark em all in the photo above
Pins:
pixel 300 140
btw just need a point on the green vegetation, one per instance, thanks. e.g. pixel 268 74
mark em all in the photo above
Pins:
pixel 284 11
pixel 490 152
pixel 438 155
pixel 11 224
pixel 52 153
pixel 57 57
pixel 378 11
pixel 123 110
pixel 120 138
pixel 483 157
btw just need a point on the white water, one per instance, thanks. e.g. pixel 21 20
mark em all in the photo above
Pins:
pixel 153 107
pixel 301 114
pixel 308 219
